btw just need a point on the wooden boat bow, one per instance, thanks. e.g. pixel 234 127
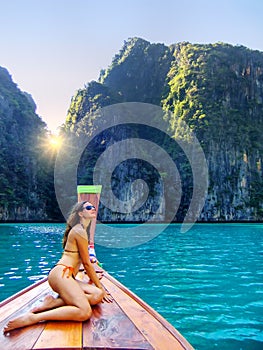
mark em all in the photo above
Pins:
pixel 126 323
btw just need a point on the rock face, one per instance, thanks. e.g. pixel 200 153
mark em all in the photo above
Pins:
pixel 217 90
pixel 26 183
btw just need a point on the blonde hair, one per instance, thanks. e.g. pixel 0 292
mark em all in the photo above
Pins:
pixel 73 220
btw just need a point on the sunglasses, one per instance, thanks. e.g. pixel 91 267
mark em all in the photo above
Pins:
pixel 89 207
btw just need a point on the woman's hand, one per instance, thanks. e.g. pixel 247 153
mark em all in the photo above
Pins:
pixel 107 297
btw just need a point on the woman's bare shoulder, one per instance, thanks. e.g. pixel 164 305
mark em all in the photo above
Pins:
pixel 78 230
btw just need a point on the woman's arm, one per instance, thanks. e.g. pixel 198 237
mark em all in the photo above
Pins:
pixel 82 243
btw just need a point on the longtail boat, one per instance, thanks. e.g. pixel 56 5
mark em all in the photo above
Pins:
pixel 126 323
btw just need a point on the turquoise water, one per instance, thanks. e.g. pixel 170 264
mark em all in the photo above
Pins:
pixel 207 282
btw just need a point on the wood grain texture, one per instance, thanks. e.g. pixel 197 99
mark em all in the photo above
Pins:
pixel 23 300
pixel 21 339
pixel 159 333
pixel 126 323
pixel 60 335
pixel 110 328
pixel 24 338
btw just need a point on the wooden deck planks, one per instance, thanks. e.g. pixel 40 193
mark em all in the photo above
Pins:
pixel 60 335
pixel 25 298
pixel 21 339
pixel 47 335
pixel 126 323
pixel 110 328
pixel 159 333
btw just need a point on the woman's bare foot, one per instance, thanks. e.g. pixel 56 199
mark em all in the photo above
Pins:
pixel 22 321
pixel 48 303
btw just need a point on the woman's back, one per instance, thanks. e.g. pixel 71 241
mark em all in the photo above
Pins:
pixel 71 255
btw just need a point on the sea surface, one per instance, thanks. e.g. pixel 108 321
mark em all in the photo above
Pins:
pixel 207 282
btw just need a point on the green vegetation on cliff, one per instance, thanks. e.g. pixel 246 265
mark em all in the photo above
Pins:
pixel 217 89
pixel 138 72
pixel 26 180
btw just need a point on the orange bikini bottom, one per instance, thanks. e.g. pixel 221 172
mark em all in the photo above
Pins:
pixel 70 270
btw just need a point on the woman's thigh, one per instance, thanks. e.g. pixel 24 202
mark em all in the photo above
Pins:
pixel 67 288
pixel 88 288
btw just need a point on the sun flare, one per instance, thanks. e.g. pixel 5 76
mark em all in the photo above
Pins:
pixel 55 141
pixel 51 144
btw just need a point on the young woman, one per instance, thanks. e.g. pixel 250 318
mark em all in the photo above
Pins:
pixel 75 297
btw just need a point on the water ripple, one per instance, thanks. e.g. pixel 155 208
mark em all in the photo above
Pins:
pixel 207 282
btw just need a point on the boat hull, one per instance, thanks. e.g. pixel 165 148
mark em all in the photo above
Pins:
pixel 126 323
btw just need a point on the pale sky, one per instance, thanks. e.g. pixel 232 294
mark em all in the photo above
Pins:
pixel 53 47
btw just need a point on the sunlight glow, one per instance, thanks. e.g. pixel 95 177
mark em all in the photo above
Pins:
pixel 55 141
pixel 50 145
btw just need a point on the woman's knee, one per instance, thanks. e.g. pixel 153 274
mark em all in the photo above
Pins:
pixel 96 296
pixel 85 313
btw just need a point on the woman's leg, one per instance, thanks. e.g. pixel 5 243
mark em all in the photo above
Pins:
pixel 49 302
pixel 93 293
pixel 76 307
pixel 63 313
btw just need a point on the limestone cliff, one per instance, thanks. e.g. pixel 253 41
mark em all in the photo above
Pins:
pixel 26 181
pixel 217 90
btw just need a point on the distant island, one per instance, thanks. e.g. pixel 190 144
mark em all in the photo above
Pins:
pixel 216 89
